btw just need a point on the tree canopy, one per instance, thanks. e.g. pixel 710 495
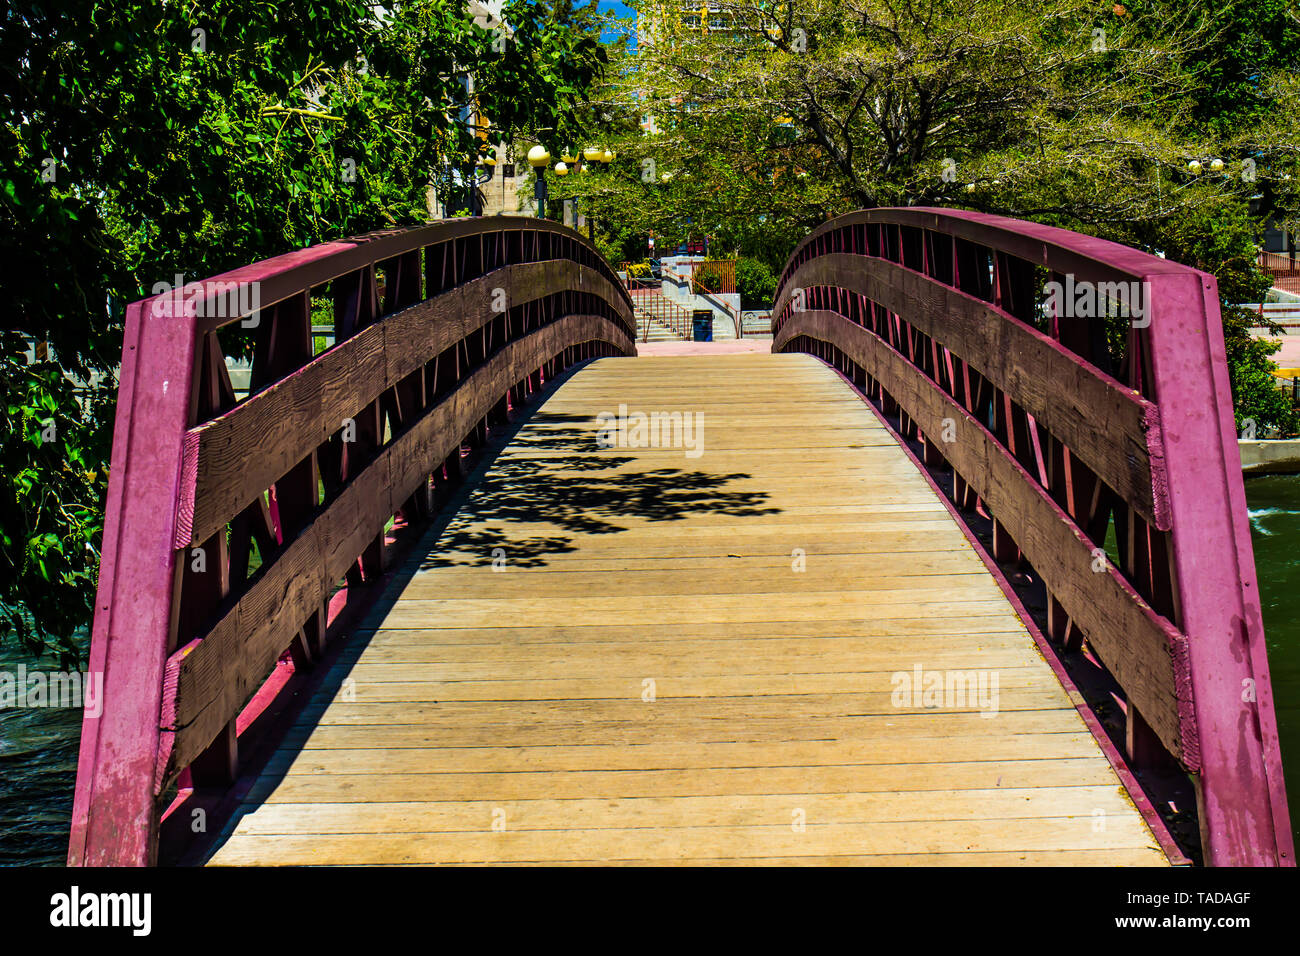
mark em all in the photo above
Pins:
pixel 142 139
pixel 1174 127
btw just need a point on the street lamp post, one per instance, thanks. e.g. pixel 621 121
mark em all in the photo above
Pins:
pixel 593 155
pixel 538 158
pixel 562 169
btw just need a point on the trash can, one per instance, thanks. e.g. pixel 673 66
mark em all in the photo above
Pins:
pixel 702 320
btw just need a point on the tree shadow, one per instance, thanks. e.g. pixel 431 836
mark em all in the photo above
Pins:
pixel 558 474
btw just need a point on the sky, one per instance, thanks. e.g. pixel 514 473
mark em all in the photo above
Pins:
pixel 613 6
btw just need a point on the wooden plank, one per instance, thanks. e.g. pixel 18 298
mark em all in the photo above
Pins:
pixel 615 784
pixel 738 608
pixel 913 750
pixel 207 682
pixel 902 626
pixel 868 696
pixel 1147 655
pixel 604 845
pixel 668 581
pixel 800 658
pixel 740 810
pixel 1109 427
pixel 453 732
pixel 335 708
pixel 409 615
pixel 687 650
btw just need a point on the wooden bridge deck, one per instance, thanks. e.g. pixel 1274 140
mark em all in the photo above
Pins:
pixel 650 679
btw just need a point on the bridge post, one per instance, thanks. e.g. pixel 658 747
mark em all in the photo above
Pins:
pixel 115 806
pixel 1243 809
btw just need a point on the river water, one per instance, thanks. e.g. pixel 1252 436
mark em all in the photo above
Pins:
pixel 1274 503
pixel 38 765
pixel 38 747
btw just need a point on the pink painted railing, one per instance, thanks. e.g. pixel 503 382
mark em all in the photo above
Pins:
pixel 1062 426
pixel 438 332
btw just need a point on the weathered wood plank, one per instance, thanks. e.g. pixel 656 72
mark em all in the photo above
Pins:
pixel 1145 652
pixel 452 732
pixel 208 681
pixel 613 784
pixel 739 810
pixel 826 840
pixel 1107 425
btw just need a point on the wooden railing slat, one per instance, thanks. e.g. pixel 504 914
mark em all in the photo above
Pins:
pixel 1145 652
pixel 1115 431
pixel 208 681
pixel 290 418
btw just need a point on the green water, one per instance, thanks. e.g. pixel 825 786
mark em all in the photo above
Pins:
pixel 38 767
pixel 1274 502
pixel 38 747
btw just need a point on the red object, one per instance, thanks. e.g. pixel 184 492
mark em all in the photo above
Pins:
pixel 936 314
pixel 183 647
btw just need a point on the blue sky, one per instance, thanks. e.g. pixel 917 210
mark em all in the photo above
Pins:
pixel 613 6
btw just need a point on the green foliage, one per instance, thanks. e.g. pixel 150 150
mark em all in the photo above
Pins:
pixel 708 276
pixel 1085 116
pixel 756 283
pixel 141 139
pixel 1255 393
pixel 1224 244
pixel 52 479
pixel 1253 39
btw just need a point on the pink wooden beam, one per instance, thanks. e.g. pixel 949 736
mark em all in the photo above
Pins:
pixel 115 811
pixel 1244 819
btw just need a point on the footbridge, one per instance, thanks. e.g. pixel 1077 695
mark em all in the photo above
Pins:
pixel 469 581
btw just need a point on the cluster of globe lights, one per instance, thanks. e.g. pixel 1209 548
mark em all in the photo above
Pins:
pixel 539 157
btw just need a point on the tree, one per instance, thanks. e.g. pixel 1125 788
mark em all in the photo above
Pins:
pixel 1169 126
pixel 142 139
pixel 756 284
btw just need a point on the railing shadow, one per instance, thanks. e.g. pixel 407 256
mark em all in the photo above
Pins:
pixel 559 475
pixel 573 483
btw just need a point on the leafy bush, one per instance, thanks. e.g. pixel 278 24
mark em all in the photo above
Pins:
pixel 709 276
pixel 756 284
pixel 52 481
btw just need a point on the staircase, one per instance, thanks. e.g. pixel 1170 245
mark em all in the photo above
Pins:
pixel 1284 269
pixel 658 319
pixel 756 324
